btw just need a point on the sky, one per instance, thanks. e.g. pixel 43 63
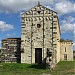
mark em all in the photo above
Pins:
pixel 10 16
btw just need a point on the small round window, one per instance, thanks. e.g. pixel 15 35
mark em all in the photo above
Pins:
pixel 38 25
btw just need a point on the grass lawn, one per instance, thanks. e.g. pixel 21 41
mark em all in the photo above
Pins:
pixel 62 68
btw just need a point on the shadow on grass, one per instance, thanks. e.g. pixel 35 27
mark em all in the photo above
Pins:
pixel 38 66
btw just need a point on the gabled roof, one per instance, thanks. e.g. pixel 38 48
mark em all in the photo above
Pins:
pixel 38 5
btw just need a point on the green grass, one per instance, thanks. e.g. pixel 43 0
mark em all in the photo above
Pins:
pixel 62 68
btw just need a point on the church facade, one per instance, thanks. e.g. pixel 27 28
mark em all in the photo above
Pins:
pixel 40 40
pixel 40 37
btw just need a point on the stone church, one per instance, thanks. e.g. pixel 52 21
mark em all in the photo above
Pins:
pixel 40 40
pixel 40 37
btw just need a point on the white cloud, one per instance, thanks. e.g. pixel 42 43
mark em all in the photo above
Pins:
pixel 19 5
pixel 71 19
pixel 74 44
pixel 5 27
pixel 64 7
pixel 74 31
pixel 13 34
pixel 68 25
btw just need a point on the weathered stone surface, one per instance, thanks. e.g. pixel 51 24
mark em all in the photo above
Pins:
pixel 66 50
pixel 10 50
pixel 40 30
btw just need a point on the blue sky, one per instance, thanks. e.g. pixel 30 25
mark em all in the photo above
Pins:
pixel 10 20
